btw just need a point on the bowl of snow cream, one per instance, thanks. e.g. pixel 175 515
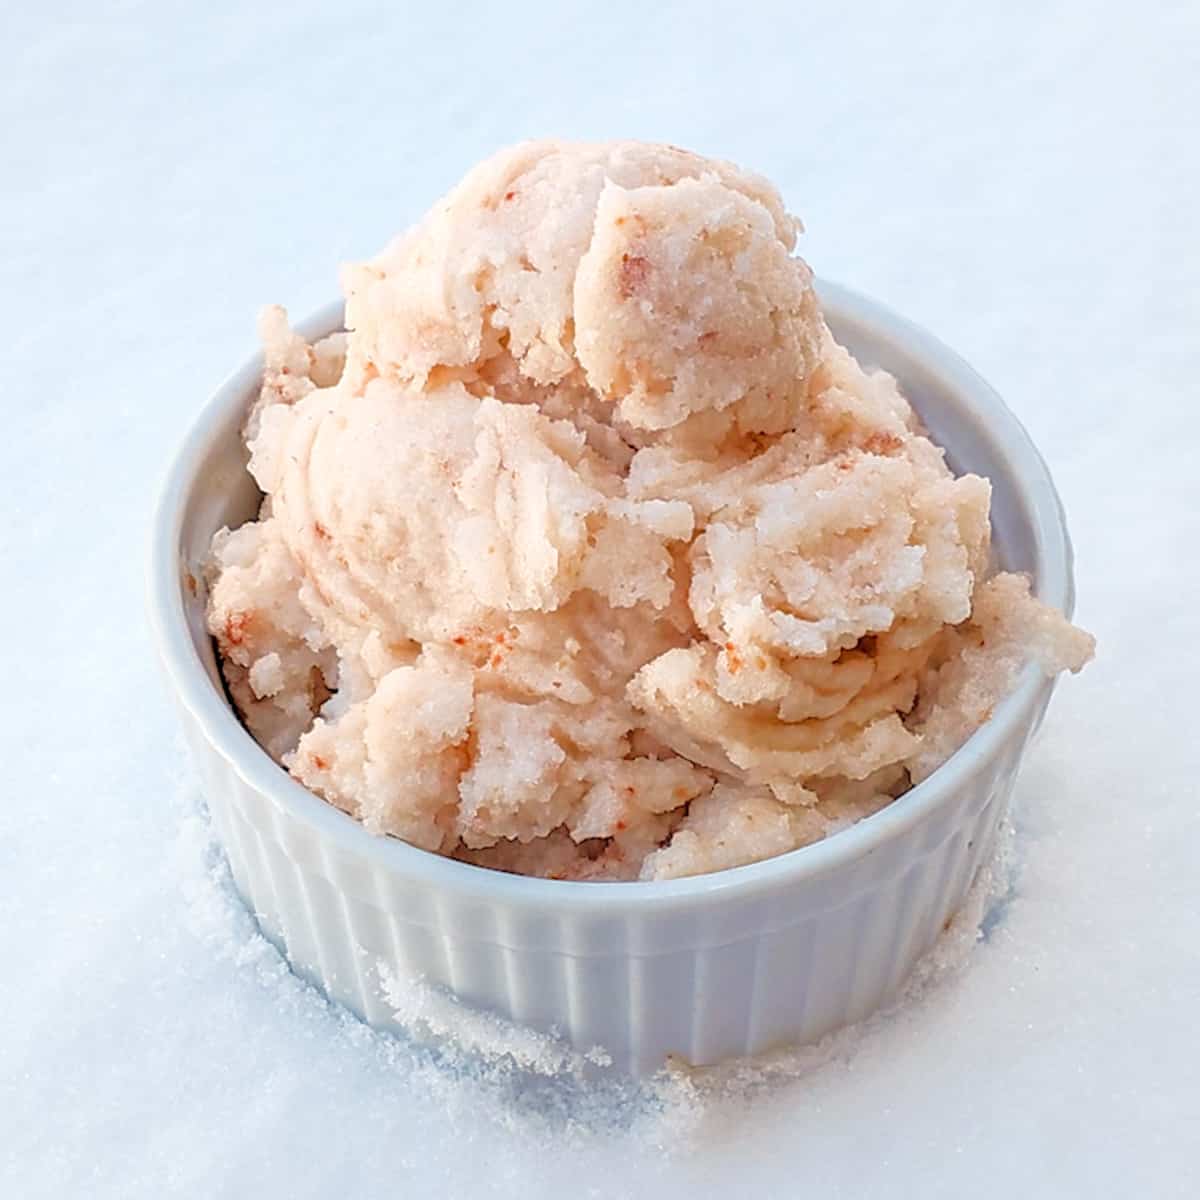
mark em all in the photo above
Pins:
pixel 598 618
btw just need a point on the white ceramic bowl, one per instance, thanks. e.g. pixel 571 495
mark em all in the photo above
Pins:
pixel 703 968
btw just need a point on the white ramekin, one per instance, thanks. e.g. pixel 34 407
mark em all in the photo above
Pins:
pixel 703 968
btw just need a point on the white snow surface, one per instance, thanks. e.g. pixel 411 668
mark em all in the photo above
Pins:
pixel 1023 179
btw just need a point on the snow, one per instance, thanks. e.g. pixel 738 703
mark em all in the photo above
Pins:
pixel 1022 179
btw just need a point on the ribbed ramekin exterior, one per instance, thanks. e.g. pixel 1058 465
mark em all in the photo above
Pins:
pixel 786 965
pixel 778 952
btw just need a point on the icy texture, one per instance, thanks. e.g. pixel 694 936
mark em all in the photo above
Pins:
pixel 1020 180
pixel 588 534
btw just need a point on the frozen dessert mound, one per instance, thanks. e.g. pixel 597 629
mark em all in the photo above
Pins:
pixel 588 553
